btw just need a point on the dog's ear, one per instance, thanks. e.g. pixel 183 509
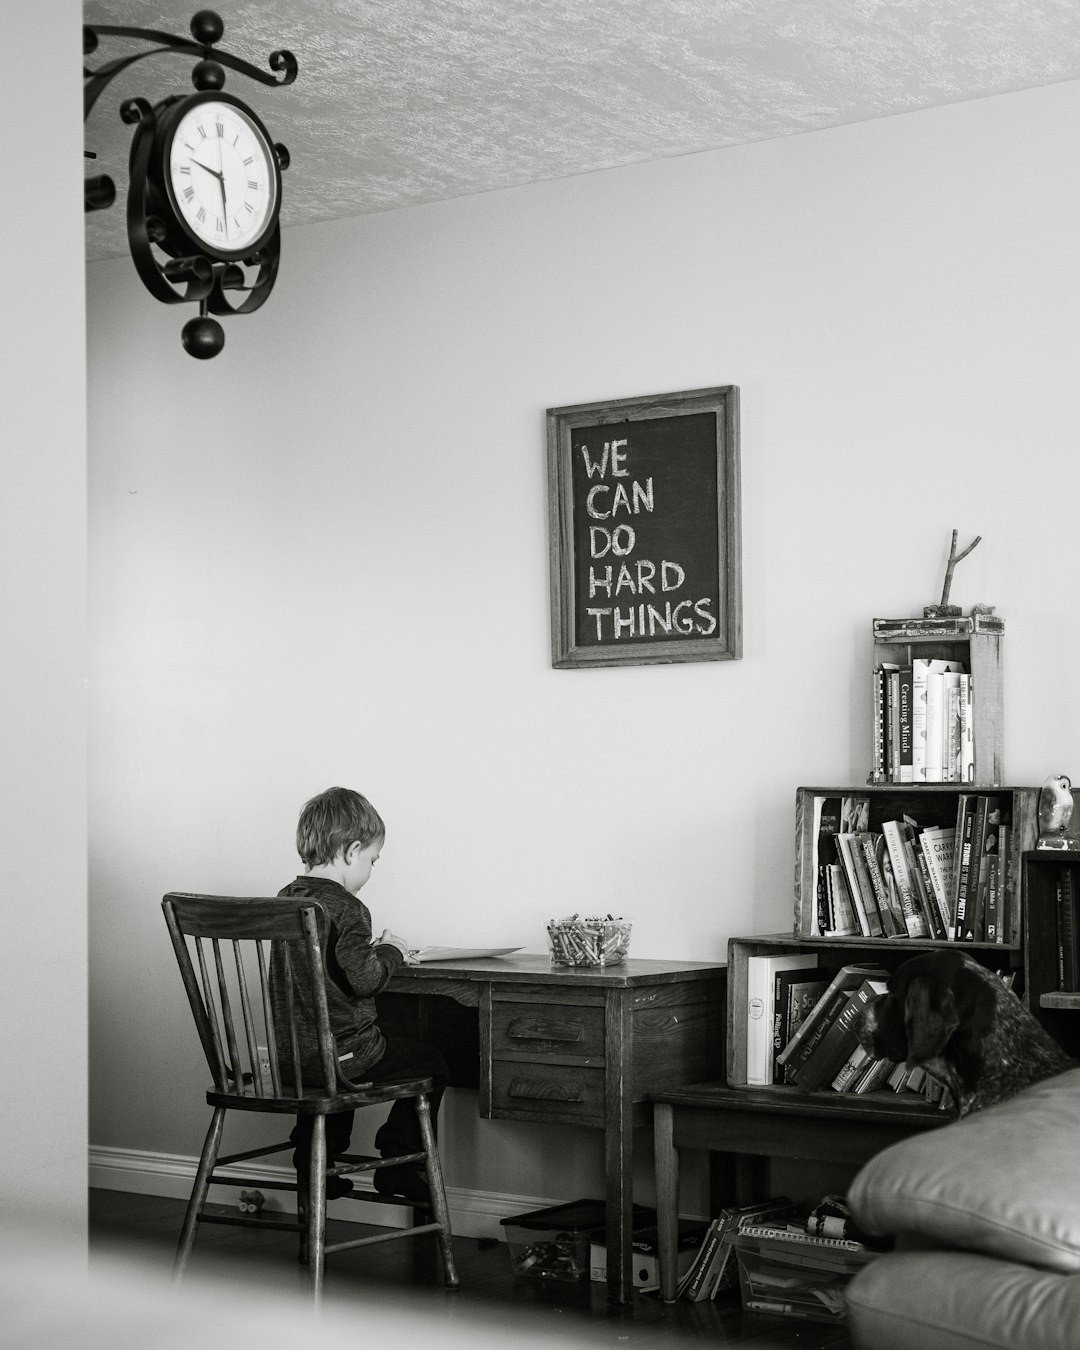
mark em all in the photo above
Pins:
pixel 930 1017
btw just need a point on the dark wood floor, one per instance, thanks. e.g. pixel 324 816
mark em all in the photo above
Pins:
pixel 404 1278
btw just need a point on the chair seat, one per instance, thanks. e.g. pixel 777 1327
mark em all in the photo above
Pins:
pixel 321 1103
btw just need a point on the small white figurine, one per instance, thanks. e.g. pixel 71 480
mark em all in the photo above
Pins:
pixel 1055 812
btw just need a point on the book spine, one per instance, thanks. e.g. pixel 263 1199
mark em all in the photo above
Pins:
pixel 846 845
pixel 879 723
pixel 893 831
pixel 974 848
pixel 919 676
pixel 894 726
pixel 992 913
pixel 907 770
pixel 939 847
pixel 877 885
pixel 696 1275
pixel 817 1031
pixel 967 731
pixel 965 819
pixel 852 1067
pixel 931 911
pixel 952 728
pixel 758 1020
pixel 866 888
pixel 935 721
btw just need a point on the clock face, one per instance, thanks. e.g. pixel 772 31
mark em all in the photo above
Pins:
pixel 222 176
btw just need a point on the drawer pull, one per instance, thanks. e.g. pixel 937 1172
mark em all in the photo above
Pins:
pixel 537 1029
pixel 545 1090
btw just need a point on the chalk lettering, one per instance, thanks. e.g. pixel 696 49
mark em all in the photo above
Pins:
pixel 618 459
pixel 643 496
pixel 627 622
pixel 593 468
pixel 669 571
pixel 598 615
pixel 701 608
pixel 590 499
pixel 625 581
pixel 599 579
pixel 645 572
pixel 620 540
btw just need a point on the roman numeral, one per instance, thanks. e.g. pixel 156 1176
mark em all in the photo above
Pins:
pixel 202 214
pixel 202 133
pixel 220 126
pixel 249 159
pixel 252 183
pixel 219 224
pixel 248 207
pixel 185 168
pixel 189 192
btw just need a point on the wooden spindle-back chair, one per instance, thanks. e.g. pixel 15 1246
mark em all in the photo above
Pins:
pixel 254 974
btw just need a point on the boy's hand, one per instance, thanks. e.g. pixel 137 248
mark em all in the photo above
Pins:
pixel 388 939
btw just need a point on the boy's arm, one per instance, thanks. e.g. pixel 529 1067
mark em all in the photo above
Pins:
pixel 368 966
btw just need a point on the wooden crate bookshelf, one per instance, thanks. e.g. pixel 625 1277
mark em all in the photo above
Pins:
pixel 964 639
pixel 1058 1009
pixel 929 804
pixel 832 953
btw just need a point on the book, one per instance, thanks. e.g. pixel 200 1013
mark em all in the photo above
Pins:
pixel 877 865
pixel 920 669
pixel 906 728
pixel 965 819
pixel 849 856
pixel 967 731
pixel 817 1019
pixel 939 847
pixel 896 833
pixel 841 907
pixel 827 811
pixel 760 987
pixel 693 1282
pixel 992 914
pixel 1068 971
pixel 951 732
pixel 645 1245
pixel 967 904
pixel 826 1057
pixel 852 1069
pixel 875 1076
pixel 936 712
pixel 924 884
pixel 795 994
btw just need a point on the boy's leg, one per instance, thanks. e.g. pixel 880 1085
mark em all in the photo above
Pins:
pixel 338 1133
pixel 400 1132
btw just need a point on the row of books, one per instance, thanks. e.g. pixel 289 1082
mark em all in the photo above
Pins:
pixel 943 882
pixel 802 1028
pixel 923 723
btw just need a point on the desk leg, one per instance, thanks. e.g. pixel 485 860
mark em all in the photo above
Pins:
pixel 618 1148
pixel 667 1198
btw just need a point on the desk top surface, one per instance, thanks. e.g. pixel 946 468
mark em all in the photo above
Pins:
pixel 784 1101
pixel 536 968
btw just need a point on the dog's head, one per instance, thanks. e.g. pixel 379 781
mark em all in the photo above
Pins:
pixel 935 1014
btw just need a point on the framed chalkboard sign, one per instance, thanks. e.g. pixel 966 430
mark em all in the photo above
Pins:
pixel 643 495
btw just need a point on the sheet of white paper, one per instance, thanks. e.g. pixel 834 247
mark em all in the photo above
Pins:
pixel 459 953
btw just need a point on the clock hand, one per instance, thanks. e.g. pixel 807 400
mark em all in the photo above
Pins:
pixel 207 168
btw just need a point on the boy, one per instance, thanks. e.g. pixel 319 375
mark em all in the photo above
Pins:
pixel 339 836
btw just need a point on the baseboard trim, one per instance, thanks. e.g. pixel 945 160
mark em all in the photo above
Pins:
pixel 142 1172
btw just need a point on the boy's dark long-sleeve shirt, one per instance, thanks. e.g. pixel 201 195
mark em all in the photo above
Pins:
pixel 356 970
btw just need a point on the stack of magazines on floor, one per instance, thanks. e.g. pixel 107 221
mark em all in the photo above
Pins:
pixel 801 1268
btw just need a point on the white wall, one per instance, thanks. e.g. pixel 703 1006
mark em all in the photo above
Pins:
pixel 322 557
pixel 43 606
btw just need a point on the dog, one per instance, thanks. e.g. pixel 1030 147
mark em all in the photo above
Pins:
pixel 954 1018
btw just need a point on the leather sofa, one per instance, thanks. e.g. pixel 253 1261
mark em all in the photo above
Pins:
pixel 986 1213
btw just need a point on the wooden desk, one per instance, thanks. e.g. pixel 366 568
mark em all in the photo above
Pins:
pixel 749 1123
pixel 569 1046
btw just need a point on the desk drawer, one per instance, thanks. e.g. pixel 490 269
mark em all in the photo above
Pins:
pixel 547 1031
pixel 565 1092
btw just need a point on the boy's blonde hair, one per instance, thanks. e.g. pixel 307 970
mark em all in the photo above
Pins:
pixel 332 821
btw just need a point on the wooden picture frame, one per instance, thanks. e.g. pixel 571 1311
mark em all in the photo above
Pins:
pixel 645 541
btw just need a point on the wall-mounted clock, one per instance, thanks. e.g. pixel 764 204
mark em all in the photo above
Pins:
pixel 204 192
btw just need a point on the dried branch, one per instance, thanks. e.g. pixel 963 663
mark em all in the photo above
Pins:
pixel 954 558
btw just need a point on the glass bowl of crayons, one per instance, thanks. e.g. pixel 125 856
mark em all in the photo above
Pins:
pixel 588 942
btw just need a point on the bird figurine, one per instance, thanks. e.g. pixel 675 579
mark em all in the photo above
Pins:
pixel 1055 812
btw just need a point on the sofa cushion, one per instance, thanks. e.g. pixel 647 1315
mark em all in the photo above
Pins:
pixel 959 1301
pixel 1004 1181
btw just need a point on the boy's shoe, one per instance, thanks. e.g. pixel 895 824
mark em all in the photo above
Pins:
pixel 338 1187
pixel 409 1182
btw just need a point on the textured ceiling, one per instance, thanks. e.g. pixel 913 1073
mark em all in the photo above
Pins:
pixel 406 101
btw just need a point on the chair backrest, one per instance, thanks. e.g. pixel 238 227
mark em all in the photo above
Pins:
pixel 263 985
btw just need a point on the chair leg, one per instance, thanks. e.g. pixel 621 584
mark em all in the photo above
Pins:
pixel 316 1219
pixel 303 1208
pixel 438 1193
pixel 198 1192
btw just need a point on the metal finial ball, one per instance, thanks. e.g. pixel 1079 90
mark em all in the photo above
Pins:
pixel 202 338
pixel 207 75
pixel 207 27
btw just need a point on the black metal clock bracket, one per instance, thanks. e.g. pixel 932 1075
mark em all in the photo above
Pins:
pixel 204 189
